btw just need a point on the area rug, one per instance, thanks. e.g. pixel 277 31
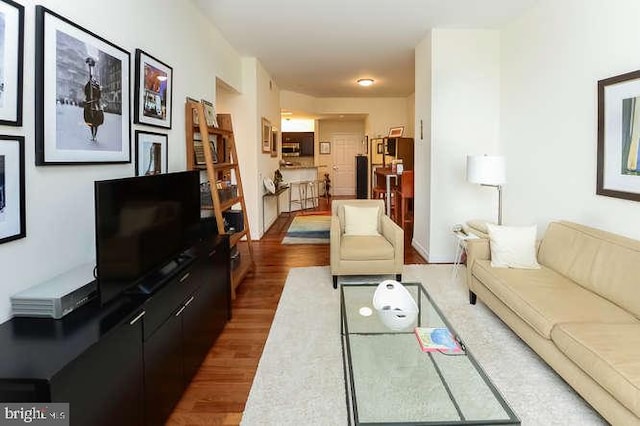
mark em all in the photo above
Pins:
pixel 300 380
pixel 308 229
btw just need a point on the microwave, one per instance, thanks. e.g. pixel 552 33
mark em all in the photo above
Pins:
pixel 291 149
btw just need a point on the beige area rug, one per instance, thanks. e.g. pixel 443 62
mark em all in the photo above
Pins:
pixel 300 375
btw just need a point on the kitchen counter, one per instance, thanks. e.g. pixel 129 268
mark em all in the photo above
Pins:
pixel 297 167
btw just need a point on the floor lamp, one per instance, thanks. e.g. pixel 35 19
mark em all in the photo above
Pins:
pixel 487 170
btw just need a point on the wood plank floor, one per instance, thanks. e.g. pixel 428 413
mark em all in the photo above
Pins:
pixel 219 391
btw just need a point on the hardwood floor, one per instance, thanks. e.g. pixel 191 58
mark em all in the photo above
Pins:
pixel 219 391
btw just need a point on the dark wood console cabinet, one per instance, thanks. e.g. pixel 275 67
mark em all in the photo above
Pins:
pixel 126 363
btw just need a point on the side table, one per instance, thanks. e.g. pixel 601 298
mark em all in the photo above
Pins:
pixel 461 245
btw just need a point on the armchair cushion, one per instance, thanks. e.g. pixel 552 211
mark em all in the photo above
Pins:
pixel 361 220
pixel 366 247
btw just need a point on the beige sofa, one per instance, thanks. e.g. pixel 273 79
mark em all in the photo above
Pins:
pixel 580 311
pixel 365 254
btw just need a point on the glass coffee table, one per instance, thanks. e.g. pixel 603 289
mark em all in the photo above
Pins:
pixel 389 380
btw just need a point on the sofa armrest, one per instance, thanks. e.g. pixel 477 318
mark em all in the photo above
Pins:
pixel 477 249
pixel 335 235
pixel 395 235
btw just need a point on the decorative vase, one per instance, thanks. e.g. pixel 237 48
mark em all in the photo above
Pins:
pixel 394 305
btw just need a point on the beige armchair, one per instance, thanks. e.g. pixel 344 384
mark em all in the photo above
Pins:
pixel 376 253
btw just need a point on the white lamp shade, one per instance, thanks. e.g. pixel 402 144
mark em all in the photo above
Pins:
pixel 486 169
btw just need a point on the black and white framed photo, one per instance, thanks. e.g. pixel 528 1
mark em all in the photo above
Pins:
pixel 12 203
pixel 151 153
pixel 618 173
pixel 154 87
pixel 82 95
pixel 11 59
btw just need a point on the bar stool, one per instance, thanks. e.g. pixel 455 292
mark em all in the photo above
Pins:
pixel 307 193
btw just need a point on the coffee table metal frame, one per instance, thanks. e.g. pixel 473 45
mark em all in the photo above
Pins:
pixel 350 391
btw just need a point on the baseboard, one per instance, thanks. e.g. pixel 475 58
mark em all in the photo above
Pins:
pixel 425 254
pixel 421 250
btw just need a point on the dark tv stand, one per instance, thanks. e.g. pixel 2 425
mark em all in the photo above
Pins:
pixel 128 362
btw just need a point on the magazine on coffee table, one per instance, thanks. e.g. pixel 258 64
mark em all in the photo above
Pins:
pixel 437 339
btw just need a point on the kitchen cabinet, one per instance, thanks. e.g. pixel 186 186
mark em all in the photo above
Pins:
pixel 304 139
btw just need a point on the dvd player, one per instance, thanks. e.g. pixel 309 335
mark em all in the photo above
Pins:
pixel 58 296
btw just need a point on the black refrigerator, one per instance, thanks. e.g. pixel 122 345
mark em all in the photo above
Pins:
pixel 362 181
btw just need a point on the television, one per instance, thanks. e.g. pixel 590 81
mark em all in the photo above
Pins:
pixel 143 224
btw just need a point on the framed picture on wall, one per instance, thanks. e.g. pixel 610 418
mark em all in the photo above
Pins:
pixel 12 202
pixel 153 91
pixel 151 153
pixel 82 95
pixel 396 132
pixel 266 136
pixel 325 147
pixel 618 173
pixel 11 59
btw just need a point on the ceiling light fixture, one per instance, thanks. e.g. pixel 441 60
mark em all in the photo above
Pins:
pixel 365 82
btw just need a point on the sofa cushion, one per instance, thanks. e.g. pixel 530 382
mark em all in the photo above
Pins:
pixel 513 246
pixel 605 263
pixel 609 353
pixel 365 247
pixel 543 298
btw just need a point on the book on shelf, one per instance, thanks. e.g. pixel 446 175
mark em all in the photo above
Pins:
pixel 438 339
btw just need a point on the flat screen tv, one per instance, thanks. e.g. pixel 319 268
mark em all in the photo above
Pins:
pixel 142 224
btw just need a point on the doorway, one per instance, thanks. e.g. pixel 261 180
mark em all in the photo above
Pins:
pixel 344 148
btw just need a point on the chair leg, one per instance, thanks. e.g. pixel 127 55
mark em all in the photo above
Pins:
pixel 335 281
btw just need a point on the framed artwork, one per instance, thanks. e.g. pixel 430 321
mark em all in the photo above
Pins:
pixel 11 60
pixel 618 173
pixel 154 87
pixel 210 113
pixel 396 132
pixel 12 203
pixel 266 136
pixel 151 153
pixel 325 147
pixel 274 143
pixel 82 95
pixel 380 148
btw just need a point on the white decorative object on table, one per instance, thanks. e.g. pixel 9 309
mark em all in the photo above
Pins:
pixel 395 306
pixel 269 185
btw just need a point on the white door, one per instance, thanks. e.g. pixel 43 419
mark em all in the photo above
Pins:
pixel 344 148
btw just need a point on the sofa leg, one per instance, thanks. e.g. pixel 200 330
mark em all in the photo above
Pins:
pixel 399 277
pixel 335 281
pixel 472 297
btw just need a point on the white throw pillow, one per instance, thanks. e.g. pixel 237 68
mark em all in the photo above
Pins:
pixel 360 220
pixel 513 246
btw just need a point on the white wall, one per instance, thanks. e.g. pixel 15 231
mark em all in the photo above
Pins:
pixel 552 58
pixel 268 107
pixel 59 199
pixel 422 148
pixel 465 119
pixel 382 113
